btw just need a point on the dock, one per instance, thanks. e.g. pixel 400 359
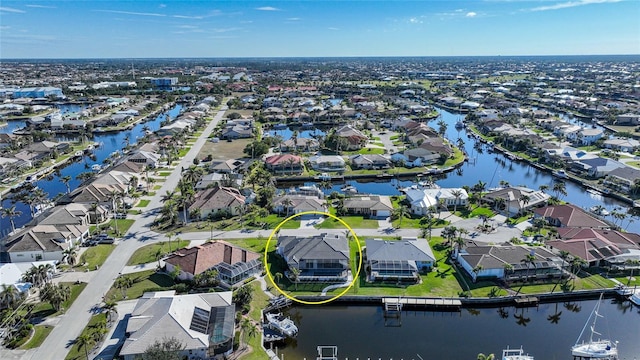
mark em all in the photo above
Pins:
pixel 526 301
pixel 440 303
pixel 277 304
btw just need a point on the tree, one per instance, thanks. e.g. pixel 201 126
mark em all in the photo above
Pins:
pixel 400 212
pixel 632 263
pixel 295 272
pixel 85 341
pixel 529 259
pixel 11 212
pixel 287 203
pixel 123 283
pixel 65 180
pixel 167 349
pixel 277 276
pixel 9 296
pixel 559 188
pixel 524 200
pixel 482 356
pixel 110 308
pixel 70 255
pixel 457 193
pixel 55 294
pixel 256 149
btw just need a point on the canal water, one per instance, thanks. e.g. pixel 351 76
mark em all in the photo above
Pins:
pixel 110 143
pixel 546 332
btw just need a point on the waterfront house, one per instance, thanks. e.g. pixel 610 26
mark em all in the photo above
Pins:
pixel 420 203
pixel 398 260
pixel 374 161
pixel 218 201
pixel 202 323
pixel 327 163
pixel 508 263
pixel 514 199
pixel 146 158
pixel 437 145
pixel 94 193
pixel 425 156
pixel 219 179
pixel 628 119
pixel 598 247
pixel 568 215
pixel 597 167
pixel 234 264
pixel 323 257
pixel 356 140
pixel 300 144
pixel 237 132
pixel 284 164
pixel 623 179
pixel 293 204
pixel 375 206
pixel 44 242
pixel 588 136
pixel 230 166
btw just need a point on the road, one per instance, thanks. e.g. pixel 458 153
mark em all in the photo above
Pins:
pixel 57 345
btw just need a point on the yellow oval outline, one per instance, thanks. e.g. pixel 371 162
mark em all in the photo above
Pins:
pixel 355 277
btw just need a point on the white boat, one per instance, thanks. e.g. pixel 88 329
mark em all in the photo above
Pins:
pixel 623 290
pixel 281 324
pixel 515 354
pixel 594 349
pixel 459 124
pixel 635 298
pixel 324 177
pixel 96 167
pixel 348 189
pixel 560 174
pixel 78 153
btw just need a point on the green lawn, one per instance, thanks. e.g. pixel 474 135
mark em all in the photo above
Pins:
pixel 369 151
pixel 79 354
pixel 240 223
pixel 123 226
pixel 457 158
pixel 164 173
pixel 417 223
pixel 157 187
pixel 142 282
pixel 41 333
pixel 143 203
pixel 634 282
pixel 44 309
pixel 147 253
pixel 94 256
pixel 355 222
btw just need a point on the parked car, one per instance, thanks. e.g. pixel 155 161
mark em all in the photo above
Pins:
pixel 107 240
pixel 120 216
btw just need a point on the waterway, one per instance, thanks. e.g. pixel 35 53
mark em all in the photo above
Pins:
pixel 110 143
pixel 546 332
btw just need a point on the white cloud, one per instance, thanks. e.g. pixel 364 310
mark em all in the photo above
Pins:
pixel 570 4
pixel 414 20
pixel 11 10
pixel 188 17
pixel 293 19
pixel 187 27
pixel 131 13
pixel 224 30
pixel 41 6
pixel 162 6
pixel 471 14
pixel 333 28
pixel 267 8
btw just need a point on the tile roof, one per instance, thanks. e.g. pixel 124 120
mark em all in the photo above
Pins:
pixel 203 257
pixel 571 216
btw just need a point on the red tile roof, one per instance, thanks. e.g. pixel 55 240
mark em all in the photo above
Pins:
pixel 571 216
pixel 283 159
pixel 200 258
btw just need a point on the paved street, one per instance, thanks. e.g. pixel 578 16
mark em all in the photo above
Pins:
pixel 58 343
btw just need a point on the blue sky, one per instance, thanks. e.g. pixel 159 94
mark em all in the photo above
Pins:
pixel 173 28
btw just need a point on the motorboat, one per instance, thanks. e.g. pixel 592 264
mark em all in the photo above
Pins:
pixel 324 177
pixel 96 167
pixel 459 124
pixel 594 349
pixel 560 174
pixel 280 126
pixel 635 298
pixel 78 153
pixel 281 324
pixel 515 354
pixel 623 290
pixel 349 189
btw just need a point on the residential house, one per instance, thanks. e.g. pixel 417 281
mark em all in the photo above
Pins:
pixel 597 167
pixel 446 196
pixel 44 242
pixel 622 144
pixel 398 260
pixel 373 161
pixel 300 144
pixel 424 156
pixel 237 132
pixel 420 203
pixel 219 179
pixel 588 136
pixel 517 199
pixel 598 247
pixel 623 179
pixel 355 139
pixel 437 145
pixel 568 215
pixel 293 204
pixel 323 257
pixel 216 201
pixel 230 166
pixel 371 205
pixel 146 158
pixel 628 119
pixel 234 264
pixel 284 164
pixel 327 163
pixel 202 323
pixel 508 262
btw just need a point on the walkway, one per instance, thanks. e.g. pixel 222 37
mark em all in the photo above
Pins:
pixel 58 343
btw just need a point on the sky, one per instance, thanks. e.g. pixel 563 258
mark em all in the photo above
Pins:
pixel 316 28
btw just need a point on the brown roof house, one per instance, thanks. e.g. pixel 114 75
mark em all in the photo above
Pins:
pixel 234 264
pixel 217 201
pixel 598 246
pixel 284 164
pixel 44 242
pixel 569 216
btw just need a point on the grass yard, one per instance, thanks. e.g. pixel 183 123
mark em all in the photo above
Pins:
pixel 164 173
pixel 240 223
pixel 147 254
pixel 370 151
pixel 457 158
pixel 123 226
pixel 355 222
pixel 76 353
pixel 157 187
pixel 142 282
pixel 224 150
pixel 44 309
pixel 143 203
pixel 94 256
pixel 40 333
pixel 417 223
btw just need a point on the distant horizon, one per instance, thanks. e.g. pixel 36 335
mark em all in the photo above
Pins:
pixel 151 29
pixel 327 57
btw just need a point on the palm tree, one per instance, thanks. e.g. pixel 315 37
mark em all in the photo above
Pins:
pixel 70 255
pixel 94 207
pixel 632 263
pixel 577 263
pixel 287 203
pixel 110 308
pixel 11 213
pixel 85 341
pixel 65 180
pixel 560 188
pixel 277 276
pixel 529 259
pixel 457 193
pixel 449 232
pixel 482 356
pixel 296 275
pixel 543 188
pixel 55 294
pixel 500 203
pixel 400 212
pixel 524 200
pixel 508 269
pixel 9 296
pixel 158 255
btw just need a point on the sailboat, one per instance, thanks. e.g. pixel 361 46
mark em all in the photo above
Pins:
pixel 594 349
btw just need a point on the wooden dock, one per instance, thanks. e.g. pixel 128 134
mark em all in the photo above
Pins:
pixel 525 301
pixel 424 302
